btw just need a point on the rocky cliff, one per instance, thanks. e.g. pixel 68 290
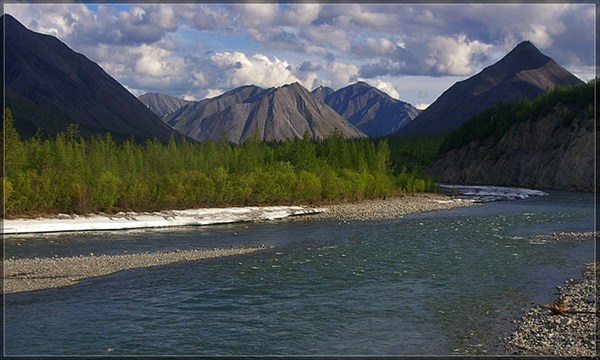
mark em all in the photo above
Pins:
pixel 555 151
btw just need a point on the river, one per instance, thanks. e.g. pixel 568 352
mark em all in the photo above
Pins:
pixel 438 283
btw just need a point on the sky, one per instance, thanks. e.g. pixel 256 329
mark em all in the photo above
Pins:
pixel 413 52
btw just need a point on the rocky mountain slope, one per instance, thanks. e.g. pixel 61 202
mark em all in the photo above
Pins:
pixel 552 150
pixel 271 114
pixel 162 104
pixel 523 73
pixel 369 109
pixel 322 92
pixel 49 86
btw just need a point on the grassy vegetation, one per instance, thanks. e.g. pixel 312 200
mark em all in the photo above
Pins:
pixel 72 174
pixel 495 121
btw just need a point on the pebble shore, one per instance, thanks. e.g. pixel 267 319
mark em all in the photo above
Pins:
pixel 540 332
pixel 391 207
pixel 22 275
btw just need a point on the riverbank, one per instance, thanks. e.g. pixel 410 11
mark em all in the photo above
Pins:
pixel 159 219
pixel 568 327
pixel 34 274
pixel 375 209
pixel 22 275
pixel 391 207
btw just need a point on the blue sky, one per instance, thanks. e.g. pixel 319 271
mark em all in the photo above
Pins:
pixel 412 51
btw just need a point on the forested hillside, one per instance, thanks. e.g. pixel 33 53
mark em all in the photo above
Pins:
pixel 73 174
pixel 495 121
pixel 546 143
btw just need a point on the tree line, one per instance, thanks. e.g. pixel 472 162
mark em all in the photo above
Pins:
pixel 75 174
pixel 495 121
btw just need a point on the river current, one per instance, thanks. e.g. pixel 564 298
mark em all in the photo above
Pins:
pixel 438 283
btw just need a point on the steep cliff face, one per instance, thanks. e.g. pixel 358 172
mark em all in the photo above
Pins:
pixel 555 151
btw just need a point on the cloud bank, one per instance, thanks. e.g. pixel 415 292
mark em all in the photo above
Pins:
pixel 198 50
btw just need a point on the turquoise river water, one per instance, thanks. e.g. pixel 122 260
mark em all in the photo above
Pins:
pixel 442 283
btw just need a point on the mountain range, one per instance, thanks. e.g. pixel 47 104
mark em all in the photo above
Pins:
pixel 49 86
pixel 369 109
pixel 272 114
pixel 523 73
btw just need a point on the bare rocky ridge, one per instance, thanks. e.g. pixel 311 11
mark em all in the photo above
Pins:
pixel 162 104
pixel 538 153
pixel 523 73
pixel 369 109
pixel 322 92
pixel 273 114
pixel 49 86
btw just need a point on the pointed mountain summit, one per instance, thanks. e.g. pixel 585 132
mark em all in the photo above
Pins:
pixel 322 92
pixel 273 114
pixel 49 86
pixel 162 104
pixel 369 109
pixel 523 73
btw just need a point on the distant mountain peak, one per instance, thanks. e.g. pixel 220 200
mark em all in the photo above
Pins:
pixel 524 56
pixel 162 104
pixel 361 84
pixel 371 110
pixel 526 45
pixel 525 72
pixel 295 86
pixel 274 114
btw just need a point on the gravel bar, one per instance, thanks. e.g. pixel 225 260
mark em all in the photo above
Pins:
pixel 22 275
pixel 391 207
pixel 542 331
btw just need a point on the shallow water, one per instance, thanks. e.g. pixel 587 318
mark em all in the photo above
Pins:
pixel 436 283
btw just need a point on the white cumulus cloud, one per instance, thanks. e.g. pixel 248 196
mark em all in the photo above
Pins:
pixel 387 87
pixel 236 69
pixel 301 14
pixel 455 55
